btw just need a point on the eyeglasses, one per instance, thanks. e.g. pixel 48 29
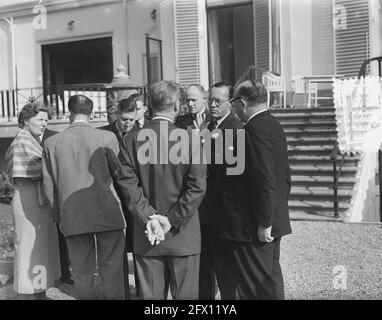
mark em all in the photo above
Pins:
pixel 238 101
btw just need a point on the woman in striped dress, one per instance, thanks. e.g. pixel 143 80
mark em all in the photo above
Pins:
pixel 37 262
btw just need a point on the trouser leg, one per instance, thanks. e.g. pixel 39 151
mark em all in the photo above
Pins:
pixel 184 277
pixel 83 261
pixel 111 251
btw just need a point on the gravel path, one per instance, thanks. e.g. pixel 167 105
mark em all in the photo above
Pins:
pixel 311 253
pixel 309 257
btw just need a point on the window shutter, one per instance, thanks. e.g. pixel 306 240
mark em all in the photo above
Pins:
pixel 261 8
pixel 180 36
pixel 168 39
pixel 187 33
pixel 180 39
pixel 352 41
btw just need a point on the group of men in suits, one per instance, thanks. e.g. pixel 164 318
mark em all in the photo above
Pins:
pixel 187 222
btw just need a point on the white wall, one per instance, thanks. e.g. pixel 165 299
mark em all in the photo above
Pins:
pixel 5 58
pixel 301 37
pixel 127 28
pixel 140 23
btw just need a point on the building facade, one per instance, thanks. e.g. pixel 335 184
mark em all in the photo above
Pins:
pixel 55 42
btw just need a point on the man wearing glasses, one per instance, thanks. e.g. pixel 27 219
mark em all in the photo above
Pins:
pixel 215 204
pixel 266 218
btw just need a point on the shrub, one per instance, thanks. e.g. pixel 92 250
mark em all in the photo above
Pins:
pixel 6 189
pixel 7 240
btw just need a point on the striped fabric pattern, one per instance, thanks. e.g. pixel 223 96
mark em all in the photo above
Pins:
pixel 24 156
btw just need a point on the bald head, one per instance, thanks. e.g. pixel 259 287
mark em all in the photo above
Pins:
pixel 196 98
pixel 80 104
pixel 253 92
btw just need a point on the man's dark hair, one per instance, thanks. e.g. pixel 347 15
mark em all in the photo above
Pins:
pixel 30 110
pixel 163 95
pixel 80 104
pixel 129 104
pixel 253 91
pixel 224 84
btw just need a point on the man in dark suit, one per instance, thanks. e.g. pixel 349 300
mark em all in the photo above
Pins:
pixel 212 259
pixel 198 117
pixel 142 119
pixel 172 193
pixel 126 122
pixel 66 275
pixel 262 217
pixel 79 166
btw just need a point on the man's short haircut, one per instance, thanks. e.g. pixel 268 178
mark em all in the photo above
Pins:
pixel 199 87
pixel 253 91
pixel 224 84
pixel 129 104
pixel 163 95
pixel 30 110
pixel 80 104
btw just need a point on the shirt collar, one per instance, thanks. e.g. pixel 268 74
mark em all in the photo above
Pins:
pixel 255 114
pixel 75 121
pixel 141 122
pixel 201 112
pixel 163 118
pixel 218 122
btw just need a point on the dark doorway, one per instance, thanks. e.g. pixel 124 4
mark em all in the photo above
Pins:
pixel 231 42
pixel 78 62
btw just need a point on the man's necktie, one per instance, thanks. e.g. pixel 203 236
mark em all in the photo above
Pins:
pixel 212 125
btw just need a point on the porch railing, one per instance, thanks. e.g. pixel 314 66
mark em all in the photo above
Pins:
pixel 56 98
pixel 366 63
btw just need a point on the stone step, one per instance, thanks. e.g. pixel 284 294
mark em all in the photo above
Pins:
pixel 310 141
pixel 297 215
pixel 321 160
pixel 323 181
pixel 308 133
pixel 303 110
pixel 322 170
pixel 304 115
pixel 306 124
pixel 326 151
pixel 317 207
pixel 300 193
pixel 306 118
pixel 312 149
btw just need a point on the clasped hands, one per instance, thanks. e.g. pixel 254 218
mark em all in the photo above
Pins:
pixel 156 228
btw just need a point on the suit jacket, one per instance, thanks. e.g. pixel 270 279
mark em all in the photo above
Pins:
pixel 186 121
pixel 47 133
pixel 113 128
pixel 174 190
pixel 79 165
pixel 267 171
pixel 228 197
pixel 129 219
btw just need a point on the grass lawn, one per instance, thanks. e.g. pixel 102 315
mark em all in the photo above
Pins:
pixel 309 259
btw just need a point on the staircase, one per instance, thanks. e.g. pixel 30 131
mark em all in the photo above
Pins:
pixel 311 136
